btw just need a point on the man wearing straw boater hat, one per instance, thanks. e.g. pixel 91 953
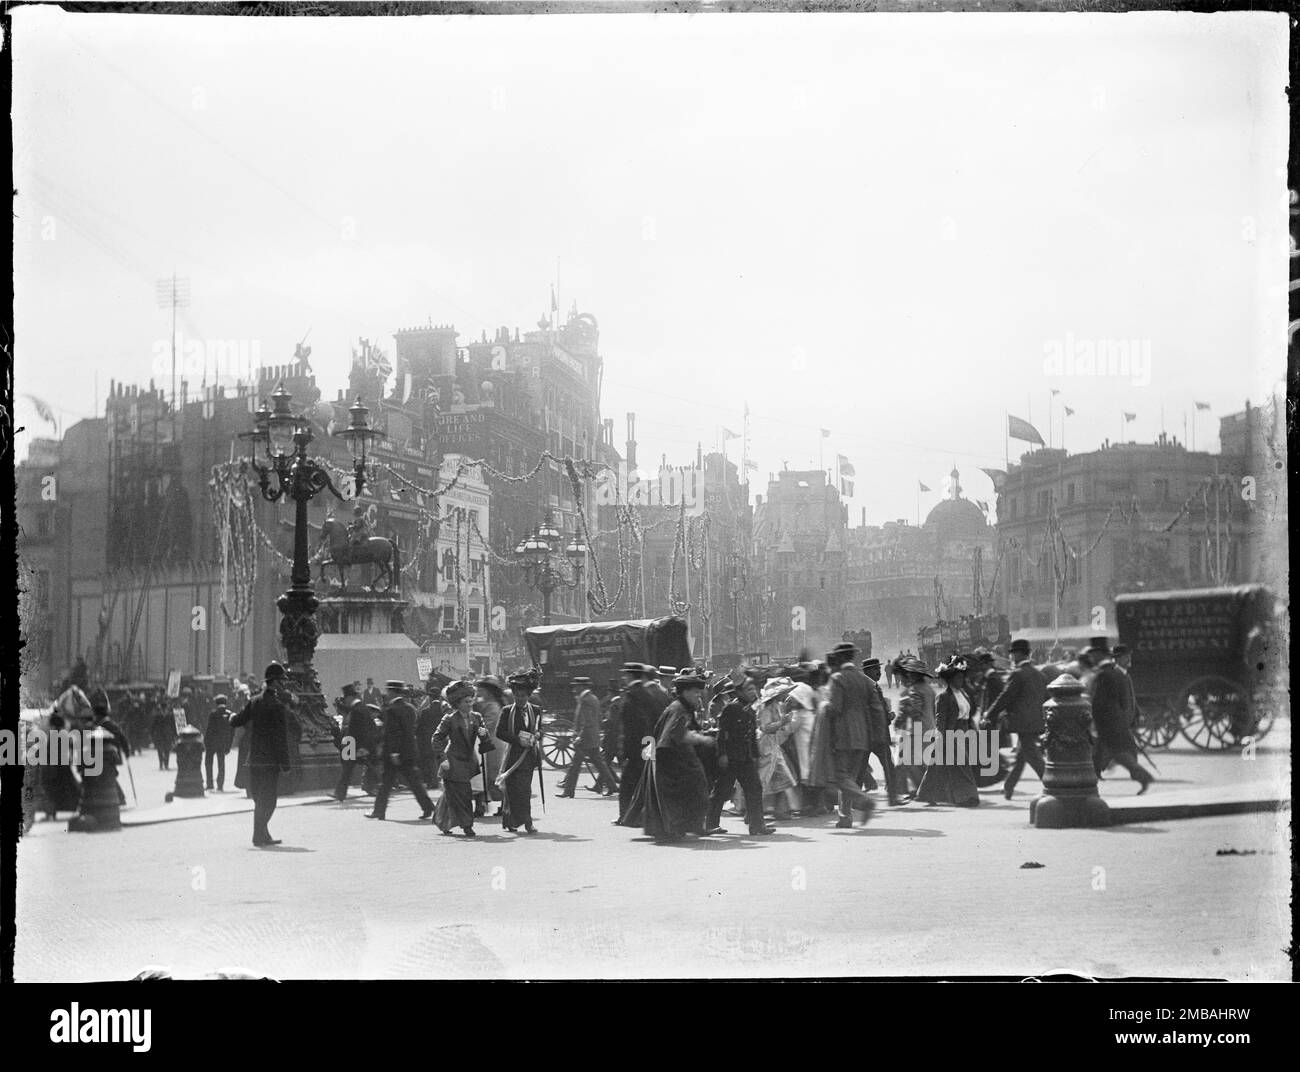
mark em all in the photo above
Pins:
pixel 1112 714
pixel 400 752
pixel 586 741
pixel 848 711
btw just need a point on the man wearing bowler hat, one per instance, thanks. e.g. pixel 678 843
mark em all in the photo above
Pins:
pixel 267 719
pixel 1112 714
pixel 879 744
pixel 848 713
pixel 1021 701
pixel 586 741
pixel 400 752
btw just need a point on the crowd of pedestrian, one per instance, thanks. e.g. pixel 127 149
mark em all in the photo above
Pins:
pixel 678 746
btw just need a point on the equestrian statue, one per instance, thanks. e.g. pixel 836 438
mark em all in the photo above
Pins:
pixel 354 545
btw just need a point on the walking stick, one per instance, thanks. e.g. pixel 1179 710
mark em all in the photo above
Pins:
pixel 537 753
pixel 127 760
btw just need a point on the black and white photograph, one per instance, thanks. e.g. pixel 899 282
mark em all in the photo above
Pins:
pixel 599 492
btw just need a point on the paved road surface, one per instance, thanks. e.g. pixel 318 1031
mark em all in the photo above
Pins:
pixel 919 891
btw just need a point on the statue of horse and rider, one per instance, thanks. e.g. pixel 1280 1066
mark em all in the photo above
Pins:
pixel 344 546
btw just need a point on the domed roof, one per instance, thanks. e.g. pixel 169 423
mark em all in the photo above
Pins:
pixel 956 515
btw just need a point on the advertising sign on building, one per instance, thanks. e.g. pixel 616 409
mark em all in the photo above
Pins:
pixel 459 431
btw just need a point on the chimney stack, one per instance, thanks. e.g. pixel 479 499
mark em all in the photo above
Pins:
pixel 631 441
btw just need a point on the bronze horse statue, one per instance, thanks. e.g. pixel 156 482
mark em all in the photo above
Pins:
pixel 343 553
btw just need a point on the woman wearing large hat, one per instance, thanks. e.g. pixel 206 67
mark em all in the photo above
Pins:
pixel 460 739
pixel 915 720
pixel 674 796
pixel 945 783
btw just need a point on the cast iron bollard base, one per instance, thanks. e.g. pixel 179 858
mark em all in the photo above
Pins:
pixel 100 810
pixel 189 763
pixel 1070 795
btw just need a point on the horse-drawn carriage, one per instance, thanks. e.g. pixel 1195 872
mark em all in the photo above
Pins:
pixel 1206 663
pixel 596 650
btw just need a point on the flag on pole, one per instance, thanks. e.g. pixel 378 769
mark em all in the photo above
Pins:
pixel 846 486
pixel 1019 429
pixel 846 466
pixel 998 476
pixel 1202 405
pixel 1129 417
pixel 406 387
pixel 43 410
pixel 751 465
pixel 727 433
pixel 826 433
pixel 921 486
pixel 1069 412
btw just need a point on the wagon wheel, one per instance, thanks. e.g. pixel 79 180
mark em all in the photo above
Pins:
pixel 1158 727
pixel 1210 707
pixel 557 743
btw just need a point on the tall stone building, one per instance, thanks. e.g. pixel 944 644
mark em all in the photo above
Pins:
pixel 800 540
pixel 1132 517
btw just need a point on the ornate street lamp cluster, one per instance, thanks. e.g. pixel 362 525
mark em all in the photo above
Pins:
pixel 549 564
pixel 278 448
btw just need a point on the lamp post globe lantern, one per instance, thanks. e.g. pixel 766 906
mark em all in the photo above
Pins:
pixel 548 564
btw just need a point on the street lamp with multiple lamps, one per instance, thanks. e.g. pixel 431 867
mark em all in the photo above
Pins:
pixel 282 437
pixel 548 564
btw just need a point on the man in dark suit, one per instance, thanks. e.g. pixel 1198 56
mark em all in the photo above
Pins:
pixel 371 695
pixel 738 762
pixel 848 714
pixel 1112 715
pixel 267 719
pixel 643 702
pixel 400 752
pixel 880 745
pixel 586 741
pixel 217 737
pixel 1021 702
pixel 360 744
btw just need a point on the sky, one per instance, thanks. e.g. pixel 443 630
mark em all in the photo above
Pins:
pixel 888 226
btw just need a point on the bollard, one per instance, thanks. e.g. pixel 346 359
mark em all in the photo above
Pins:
pixel 189 763
pixel 100 810
pixel 1070 795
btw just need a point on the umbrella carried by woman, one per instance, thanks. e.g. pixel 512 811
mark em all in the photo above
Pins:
pixel 947 782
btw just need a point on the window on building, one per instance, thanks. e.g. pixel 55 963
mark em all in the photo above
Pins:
pixel 1069 493
pixel 475 619
pixel 823 584
pixel 1161 486
pixel 1043 619
pixel 43 524
pixel 1045 501
pixel 448 617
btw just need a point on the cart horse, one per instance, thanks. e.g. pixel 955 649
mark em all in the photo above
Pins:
pixel 1206 663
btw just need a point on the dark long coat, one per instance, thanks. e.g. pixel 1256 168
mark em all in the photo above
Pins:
pixel 1112 710
pixel 1021 701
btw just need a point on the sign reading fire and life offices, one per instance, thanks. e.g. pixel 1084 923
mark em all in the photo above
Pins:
pixel 458 432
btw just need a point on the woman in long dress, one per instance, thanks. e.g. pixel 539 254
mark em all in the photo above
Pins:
pixel 915 721
pixel 944 782
pixel 820 775
pixel 461 737
pixel 775 720
pixel 675 799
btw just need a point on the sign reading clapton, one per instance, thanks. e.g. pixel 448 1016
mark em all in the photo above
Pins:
pixel 1197 625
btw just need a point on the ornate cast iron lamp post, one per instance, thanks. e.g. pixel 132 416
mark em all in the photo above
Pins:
pixel 283 436
pixel 1070 795
pixel 546 566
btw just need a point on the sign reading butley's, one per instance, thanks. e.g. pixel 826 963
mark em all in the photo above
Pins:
pixel 459 430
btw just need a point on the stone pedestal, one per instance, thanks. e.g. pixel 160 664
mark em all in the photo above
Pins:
pixel 1070 795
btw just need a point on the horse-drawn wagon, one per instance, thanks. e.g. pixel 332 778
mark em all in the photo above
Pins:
pixel 1206 663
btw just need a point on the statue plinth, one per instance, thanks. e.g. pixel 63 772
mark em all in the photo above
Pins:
pixel 1070 796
